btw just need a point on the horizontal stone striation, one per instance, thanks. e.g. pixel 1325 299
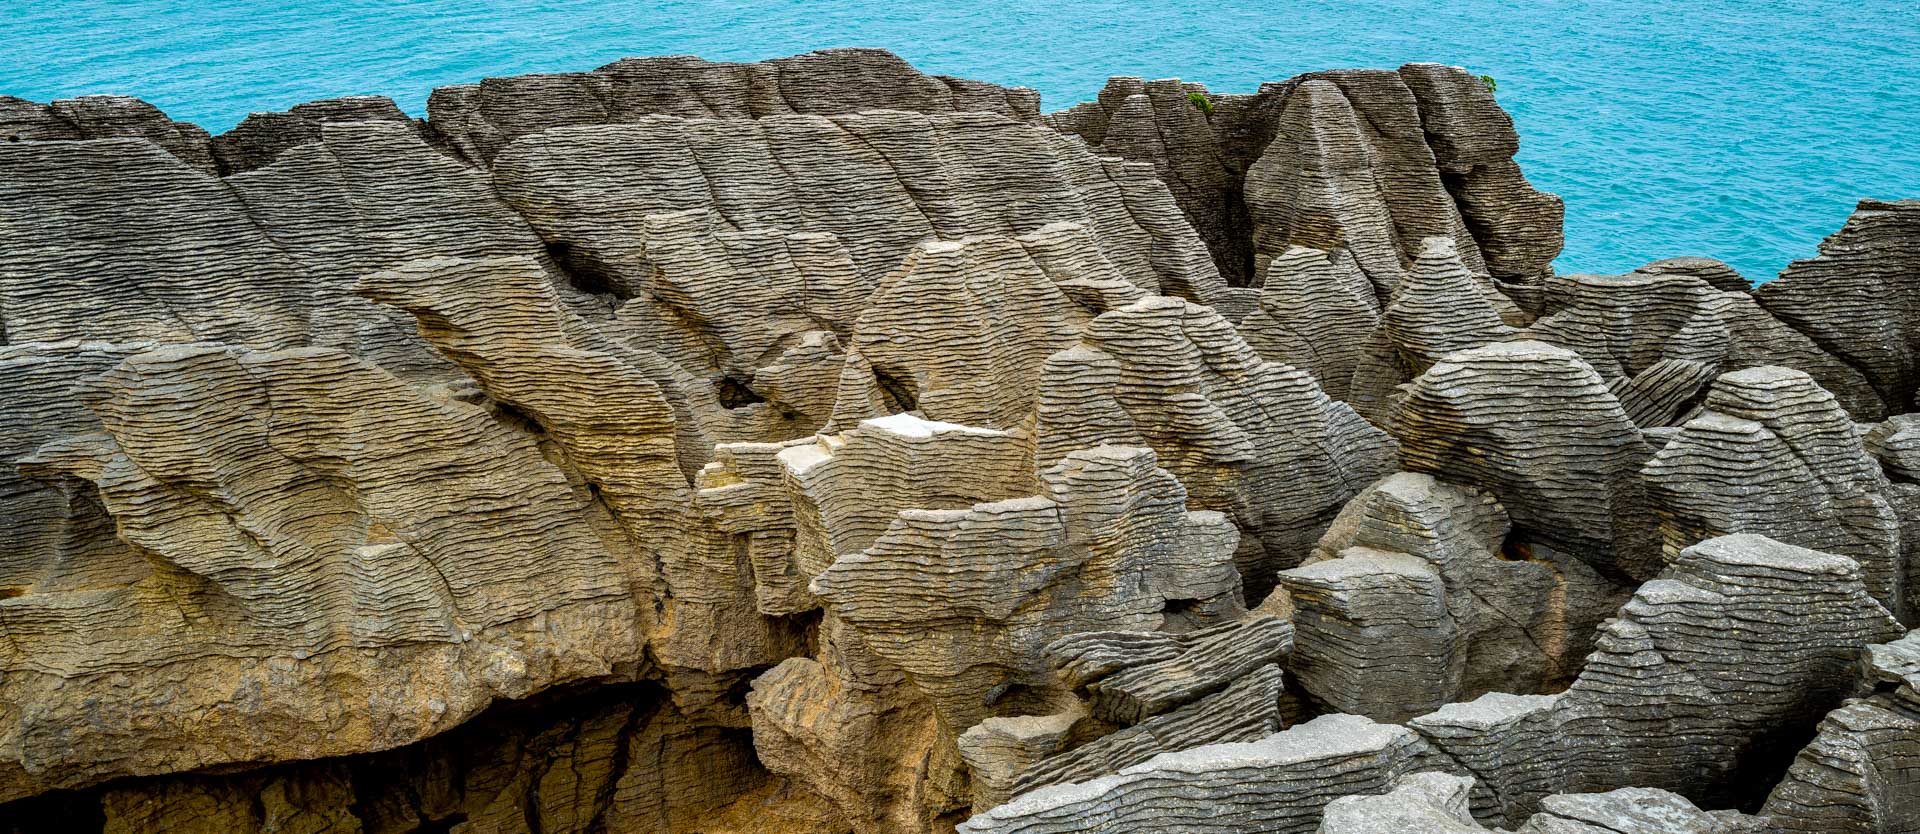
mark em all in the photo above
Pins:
pixel 114 240
pixel 880 182
pixel 1276 784
pixel 1536 427
pixel 1437 803
pixel 1857 298
pixel 1697 687
pixel 1246 710
pixel 301 526
pixel 1349 159
pixel 1254 440
pixel 1659 334
pixel 1772 453
pixel 1861 772
pixel 817 445
pixel 260 138
pixel 1104 544
pixel 1408 604
pixel 104 117
pixel 479 120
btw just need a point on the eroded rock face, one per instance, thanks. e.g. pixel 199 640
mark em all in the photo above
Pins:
pixel 1437 802
pixel 1772 453
pixel 480 120
pixel 1409 604
pixel 1856 299
pixel 1473 141
pixel 1368 161
pixel 1660 334
pixel 820 446
pixel 1691 688
pixel 104 117
pixel 1535 426
pixel 1255 440
pixel 298 528
pixel 1279 783
pixel 262 137
pixel 966 601
pixel 1857 774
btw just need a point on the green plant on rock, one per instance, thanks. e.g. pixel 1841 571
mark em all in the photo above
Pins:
pixel 1492 86
pixel 1201 102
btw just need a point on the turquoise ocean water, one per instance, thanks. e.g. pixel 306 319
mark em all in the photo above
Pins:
pixel 1738 130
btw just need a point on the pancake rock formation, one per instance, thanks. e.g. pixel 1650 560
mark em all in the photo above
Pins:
pixel 817 446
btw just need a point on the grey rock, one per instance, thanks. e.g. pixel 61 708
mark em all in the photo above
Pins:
pixel 1279 784
pixel 1856 299
pixel 479 120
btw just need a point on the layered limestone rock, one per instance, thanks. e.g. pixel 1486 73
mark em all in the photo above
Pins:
pixel 479 120
pixel 292 530
pixel 1473 142
pixel 881 183
pixel 1658 335
pixel 1437 803
pixel 966 601
pixel 1255 440
pixel 1315 186
pixel 616 757
pixel 1279 783
pixel 1772 453
pixel 1409 603
pixel 1699 686
pixel 1352 159
pixel 1861 772
pixel 1856 300
pixel 1157 122
pixel 1535 426
pixel 262 137
pixel 817 445
pixel 1142 694
pixel 104 117
pixel 115 240
pixel 1316 313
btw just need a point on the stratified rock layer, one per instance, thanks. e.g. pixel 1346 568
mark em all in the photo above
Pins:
pixel 820 446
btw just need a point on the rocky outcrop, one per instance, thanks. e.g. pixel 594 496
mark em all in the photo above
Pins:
pixel 820 446
pixel 1698 686
pixel 104 117
pixel 260 138
pixel 1772 453
pixel 1316 313
pixel 114 240
pixel 479 120
pixel 1659 334
pixel 1279 783
pixel 1858 774
pixel 1105 544
pixel 1255 440
pixel 1437 803
pixel 293 529
pixel 1409 603
pixel 1473 142
pixel 1368 161
pixel 1535 426
pixel 1856 300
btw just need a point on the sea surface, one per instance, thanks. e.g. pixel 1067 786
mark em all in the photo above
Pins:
pixel 1743 130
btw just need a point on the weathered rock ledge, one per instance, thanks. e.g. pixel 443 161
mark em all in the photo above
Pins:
pixel 816 446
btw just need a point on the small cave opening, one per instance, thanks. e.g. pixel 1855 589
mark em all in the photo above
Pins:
pixel 898 393
pixel 585 274
pixel 736 393
pixel 11 591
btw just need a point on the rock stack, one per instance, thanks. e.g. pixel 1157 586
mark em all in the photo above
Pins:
pixel 818 447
